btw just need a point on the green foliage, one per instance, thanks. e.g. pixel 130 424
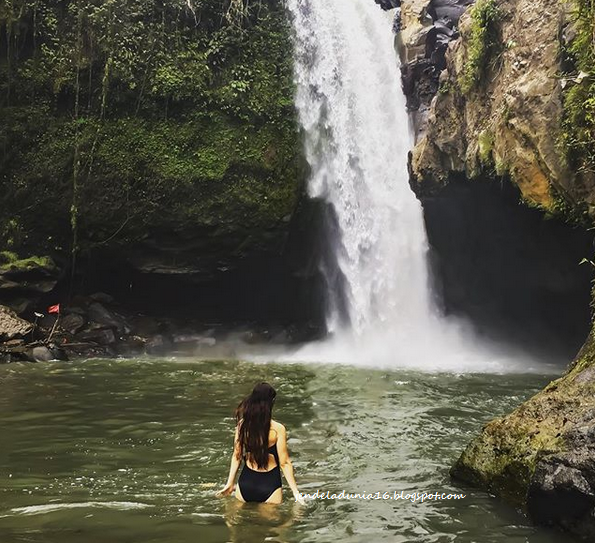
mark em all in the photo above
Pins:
pixel 573 213
pixel 7 257
pixel 122 115
pixel 483 43
pixel 485 143
pixel 11 261
pixel 445 87
pixel 579 99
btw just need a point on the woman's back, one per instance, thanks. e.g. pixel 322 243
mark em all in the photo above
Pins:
pixel 273 455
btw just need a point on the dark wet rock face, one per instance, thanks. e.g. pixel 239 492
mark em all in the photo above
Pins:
pixel 72 323
pixel 515 275
pixel 426 29
pixel 388 4
pixel 448 12
pixel 562 491
pixel 420 84
pixel 99 314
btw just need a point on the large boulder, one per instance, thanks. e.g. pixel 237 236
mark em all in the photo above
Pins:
pixel 99 314
pixel 11 325
pixel 541 457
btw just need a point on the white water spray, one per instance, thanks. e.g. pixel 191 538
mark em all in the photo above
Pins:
pixel 357 136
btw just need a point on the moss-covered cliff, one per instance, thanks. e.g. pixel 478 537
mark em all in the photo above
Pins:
pixel 516 101
pixel 161 133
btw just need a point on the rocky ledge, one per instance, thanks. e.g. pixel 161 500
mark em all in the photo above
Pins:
pixel 541 457
pixel 98 326
pixel 500 106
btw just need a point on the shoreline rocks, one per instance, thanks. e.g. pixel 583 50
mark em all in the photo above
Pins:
pixel 541 457
pixel 88 329
pixel 12 326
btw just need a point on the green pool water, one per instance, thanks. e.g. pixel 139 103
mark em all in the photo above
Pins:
pixel 132 451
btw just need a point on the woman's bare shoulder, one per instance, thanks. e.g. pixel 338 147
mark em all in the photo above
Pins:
pixel 277 426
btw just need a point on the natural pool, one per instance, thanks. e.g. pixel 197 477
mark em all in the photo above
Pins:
pixel 107 451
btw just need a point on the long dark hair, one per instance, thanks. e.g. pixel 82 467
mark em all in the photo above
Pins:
pixel 253 416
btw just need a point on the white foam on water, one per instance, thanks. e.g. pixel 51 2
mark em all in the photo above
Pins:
pixel 53 507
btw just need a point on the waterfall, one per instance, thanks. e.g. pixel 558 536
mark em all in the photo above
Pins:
pixel 352 111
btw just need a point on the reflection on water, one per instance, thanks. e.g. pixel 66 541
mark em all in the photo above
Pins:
pixel 267 522
pixel 105 451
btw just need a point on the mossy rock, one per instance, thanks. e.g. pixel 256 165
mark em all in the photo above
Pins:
pixel 504 457
pixel 11 264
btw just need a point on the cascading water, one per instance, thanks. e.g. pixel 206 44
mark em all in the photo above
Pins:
pixel 352 111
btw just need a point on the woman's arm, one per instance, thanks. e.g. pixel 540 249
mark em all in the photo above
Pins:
pixel 233 468
pixel 285 462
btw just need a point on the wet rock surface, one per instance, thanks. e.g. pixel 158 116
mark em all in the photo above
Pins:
pixel 562 491
pixel 388 4
pixel 508 123
pixel 541 457
pixel 425 31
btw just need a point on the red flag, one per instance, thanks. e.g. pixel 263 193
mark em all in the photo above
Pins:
pixel 54 308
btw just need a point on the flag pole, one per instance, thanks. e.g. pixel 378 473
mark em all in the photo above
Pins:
pixel 49 338
pixel 53 329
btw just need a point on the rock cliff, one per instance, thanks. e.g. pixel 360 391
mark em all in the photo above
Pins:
pixel 503 106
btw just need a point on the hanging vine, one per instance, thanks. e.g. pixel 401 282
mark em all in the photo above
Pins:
pixel 237 12
pixel 74 208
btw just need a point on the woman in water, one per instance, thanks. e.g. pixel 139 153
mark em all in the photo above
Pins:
pixel 262 443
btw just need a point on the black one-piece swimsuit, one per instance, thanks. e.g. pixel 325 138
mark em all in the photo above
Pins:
pixel 258 486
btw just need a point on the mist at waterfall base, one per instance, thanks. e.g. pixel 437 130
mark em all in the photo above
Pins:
pixel 381 309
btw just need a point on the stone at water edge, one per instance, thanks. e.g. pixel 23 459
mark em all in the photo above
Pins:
pixel 541 457
pixel 159 345
pixel 99 314
pixel 44 353
pixel 40 354
pixel 101 336
pixel 102 298
pixel 72 323
pixel 562 492
pixel 11 325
